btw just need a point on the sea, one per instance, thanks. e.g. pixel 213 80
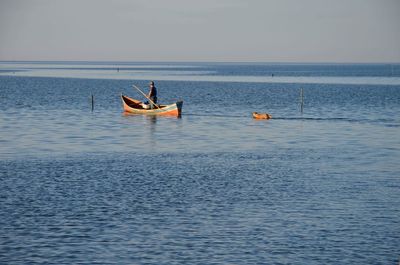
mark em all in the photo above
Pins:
pixel 83 183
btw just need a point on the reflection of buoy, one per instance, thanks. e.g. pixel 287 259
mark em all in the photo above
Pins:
pixel 261 116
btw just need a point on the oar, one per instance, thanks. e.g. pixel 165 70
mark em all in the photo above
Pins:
pixel 146 96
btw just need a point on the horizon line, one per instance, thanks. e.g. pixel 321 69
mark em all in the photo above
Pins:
pixel 192 61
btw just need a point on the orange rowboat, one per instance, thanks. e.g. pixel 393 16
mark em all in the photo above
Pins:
pixel 135 106
pixel 261 116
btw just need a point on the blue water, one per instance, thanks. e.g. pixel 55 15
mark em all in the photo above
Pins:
pixel 211 187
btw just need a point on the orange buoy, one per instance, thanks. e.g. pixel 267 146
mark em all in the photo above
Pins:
pixel 261 116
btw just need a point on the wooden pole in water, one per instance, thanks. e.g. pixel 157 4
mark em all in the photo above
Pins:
pixel 92 102
pixel 301 100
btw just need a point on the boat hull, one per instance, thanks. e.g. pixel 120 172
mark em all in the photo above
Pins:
pixel 134 106
pixel 261 116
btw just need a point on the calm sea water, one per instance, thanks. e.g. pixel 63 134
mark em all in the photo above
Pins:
pixel 212 187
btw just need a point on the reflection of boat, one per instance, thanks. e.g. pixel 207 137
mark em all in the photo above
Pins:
pixel 137 107
pixel 261 116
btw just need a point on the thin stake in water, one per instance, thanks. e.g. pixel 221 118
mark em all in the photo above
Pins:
pixel 301 100
pixel 92 102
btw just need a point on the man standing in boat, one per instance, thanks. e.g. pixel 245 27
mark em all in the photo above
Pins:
pixel 152 95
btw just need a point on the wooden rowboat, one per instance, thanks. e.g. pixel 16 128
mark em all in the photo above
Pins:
pixel 135 106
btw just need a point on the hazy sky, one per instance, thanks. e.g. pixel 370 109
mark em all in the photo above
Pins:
pixel 201 30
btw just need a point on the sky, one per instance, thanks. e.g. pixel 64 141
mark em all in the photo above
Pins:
pixel 201 30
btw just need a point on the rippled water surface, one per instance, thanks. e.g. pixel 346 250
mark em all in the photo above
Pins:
pixel 211 187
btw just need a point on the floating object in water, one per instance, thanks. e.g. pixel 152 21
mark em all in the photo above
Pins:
pixel 135 106
pixel 261 116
